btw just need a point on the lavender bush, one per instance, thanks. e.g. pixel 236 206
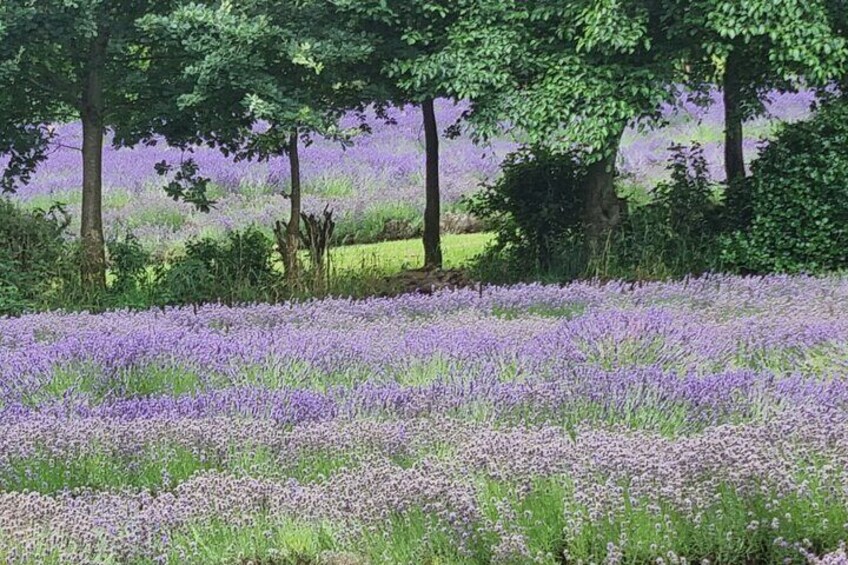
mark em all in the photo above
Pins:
pixel 688 422
pixel 379 178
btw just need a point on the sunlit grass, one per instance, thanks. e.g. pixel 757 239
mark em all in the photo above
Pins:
pixel 395 256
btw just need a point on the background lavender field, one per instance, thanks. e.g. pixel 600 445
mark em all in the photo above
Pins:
pixel 380 178
pixel 688 422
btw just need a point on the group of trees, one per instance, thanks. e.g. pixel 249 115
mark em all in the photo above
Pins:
pixel 258 78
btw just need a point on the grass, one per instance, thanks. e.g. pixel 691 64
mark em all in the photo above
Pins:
pixel 160 468
pixel 355 270
pixel 163 467
pixel 331 186
pixel 126 383
pixel 371 226
pixel 566 311
pixel 265 541
pixel 394 256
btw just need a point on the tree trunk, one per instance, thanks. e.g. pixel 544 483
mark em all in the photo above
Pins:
pixel 93 260
pixel 293 227
pixel 602 208
pixel 734 156
pixel 432 212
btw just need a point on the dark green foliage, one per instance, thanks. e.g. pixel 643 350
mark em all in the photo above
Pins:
pixel 750 49
pixel 677 232
pixel 34 256
pixel 186 184
pixel 534 206
pixel 535 210
pixel 93 61
pixel 237 269
pixel 797 200
pixel 686 204
pixel 128 263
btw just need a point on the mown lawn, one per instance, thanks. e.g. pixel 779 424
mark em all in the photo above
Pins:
pixel 394 256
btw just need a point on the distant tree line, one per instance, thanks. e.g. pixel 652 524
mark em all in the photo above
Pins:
pixel 260 78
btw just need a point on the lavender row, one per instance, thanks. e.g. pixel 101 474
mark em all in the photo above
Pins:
pixel 719 297
pixel 379 175
pixel 776 324
pixel 793 470
pixel 646 398
pixel 221 437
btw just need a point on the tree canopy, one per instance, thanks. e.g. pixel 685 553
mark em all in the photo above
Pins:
pixel 282 71
pixel 255 78
pixel 751 49
pixel 86 60
pixel 565 75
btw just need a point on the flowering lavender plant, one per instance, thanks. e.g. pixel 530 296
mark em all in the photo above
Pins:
pixel 378 178
pixel 703 420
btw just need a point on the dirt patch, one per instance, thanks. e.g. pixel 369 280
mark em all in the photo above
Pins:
pixel 461 222
pixel 423 281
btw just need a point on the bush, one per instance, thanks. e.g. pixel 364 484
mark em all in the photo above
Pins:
pixel 237 269
pixel 533 208
pixel 128 262
pixel 797 200
pixel 677 232
pixel 35 259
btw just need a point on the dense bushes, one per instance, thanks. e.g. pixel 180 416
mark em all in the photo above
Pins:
pixel 790 215
pixel 35 259
pixel 128 263
pixel 797 200
pixel 677 232
pixel 38 268
pixel 237 269
pixel 536 206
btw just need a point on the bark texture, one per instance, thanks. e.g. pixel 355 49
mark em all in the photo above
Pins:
pixel 93 260
pixel 734 156
pixel 603 210
pixel 432 211
pixel 293 227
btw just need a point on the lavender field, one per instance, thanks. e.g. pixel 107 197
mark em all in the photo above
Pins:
pixel 701 421
pixel 378 179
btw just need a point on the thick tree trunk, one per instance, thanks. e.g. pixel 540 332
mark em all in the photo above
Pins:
pixel 432 211
pixel 602 208
pixel 93 260
pixel 734 156
pixel 293 227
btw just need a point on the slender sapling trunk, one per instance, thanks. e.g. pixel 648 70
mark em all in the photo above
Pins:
pixel 432 212
pixel 734 156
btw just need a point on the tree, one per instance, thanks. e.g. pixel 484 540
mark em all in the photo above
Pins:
pixel 753 48
pixel 85 60
pixel 284 71
pixel 564 76
pixel 405 33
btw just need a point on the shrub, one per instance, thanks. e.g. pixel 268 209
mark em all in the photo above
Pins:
pixel 535 210
pixel 128 263
pixel 797 200
pixel 237 269
pixel 533 207
pixel 34 256
pixel 677 232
